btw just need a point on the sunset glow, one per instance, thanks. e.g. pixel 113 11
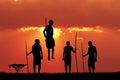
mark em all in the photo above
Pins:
pixel 29 28
pixel 95 20
pixel 86 29
pixel 57 31
pixel 17 1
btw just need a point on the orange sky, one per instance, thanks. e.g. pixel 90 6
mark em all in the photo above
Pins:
pixel 65 13
pixel 95 20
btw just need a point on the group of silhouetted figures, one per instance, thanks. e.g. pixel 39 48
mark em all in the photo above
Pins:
pixel 50 44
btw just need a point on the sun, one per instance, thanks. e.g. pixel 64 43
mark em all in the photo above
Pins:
pixel 17 1
pixel 57 32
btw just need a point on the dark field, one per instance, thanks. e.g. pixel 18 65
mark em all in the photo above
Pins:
pixel 60 76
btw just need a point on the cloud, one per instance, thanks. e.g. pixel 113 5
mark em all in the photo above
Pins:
pixel 63 12
pixel 86 29
pixel 70 29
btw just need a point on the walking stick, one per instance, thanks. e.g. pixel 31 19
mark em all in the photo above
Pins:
pixel 75 52
pixel 82 56
pixel 26 57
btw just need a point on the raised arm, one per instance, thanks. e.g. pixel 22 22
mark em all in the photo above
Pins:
pixel 73 50
pixel 86 53
pixel 29 53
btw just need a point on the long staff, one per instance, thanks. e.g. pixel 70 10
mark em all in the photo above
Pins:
pixel 26 57
pixel 75 52
pixel 82 56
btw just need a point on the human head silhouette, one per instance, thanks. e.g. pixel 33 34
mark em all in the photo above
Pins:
pixel 90 43
pixel 51 22
pixel 68 43
pixel 37 41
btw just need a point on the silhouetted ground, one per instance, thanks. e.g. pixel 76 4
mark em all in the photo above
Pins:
pixel 60 76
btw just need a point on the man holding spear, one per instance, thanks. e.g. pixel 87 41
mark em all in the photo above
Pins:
pixel 67 55
pixel 37 55
pixel 92 52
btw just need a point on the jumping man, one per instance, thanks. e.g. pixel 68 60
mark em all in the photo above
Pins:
pixel 50 42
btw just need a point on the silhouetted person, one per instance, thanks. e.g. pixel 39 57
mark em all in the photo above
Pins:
pixel 37 55
pixel 67 55
pixel 50 42
pixel 92 52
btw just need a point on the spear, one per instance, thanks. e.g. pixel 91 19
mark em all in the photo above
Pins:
pixel 82 56
pixel 75 52
pixel 26 56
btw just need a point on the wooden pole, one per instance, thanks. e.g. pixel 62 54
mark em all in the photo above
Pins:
pixel 82 56
pixel 75 52
pixel 26 57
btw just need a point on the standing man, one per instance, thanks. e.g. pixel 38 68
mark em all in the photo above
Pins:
pixel 92 52
pixel 37 55
pixel 50 42
pixel 67 55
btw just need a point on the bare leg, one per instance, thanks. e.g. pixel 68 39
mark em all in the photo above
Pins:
pixel 93 68
pixel 70 68
pixel 34 68
pixel 49 54
pixel 53 53
pixel 66 68
pixel 39 67
pixel 89 69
